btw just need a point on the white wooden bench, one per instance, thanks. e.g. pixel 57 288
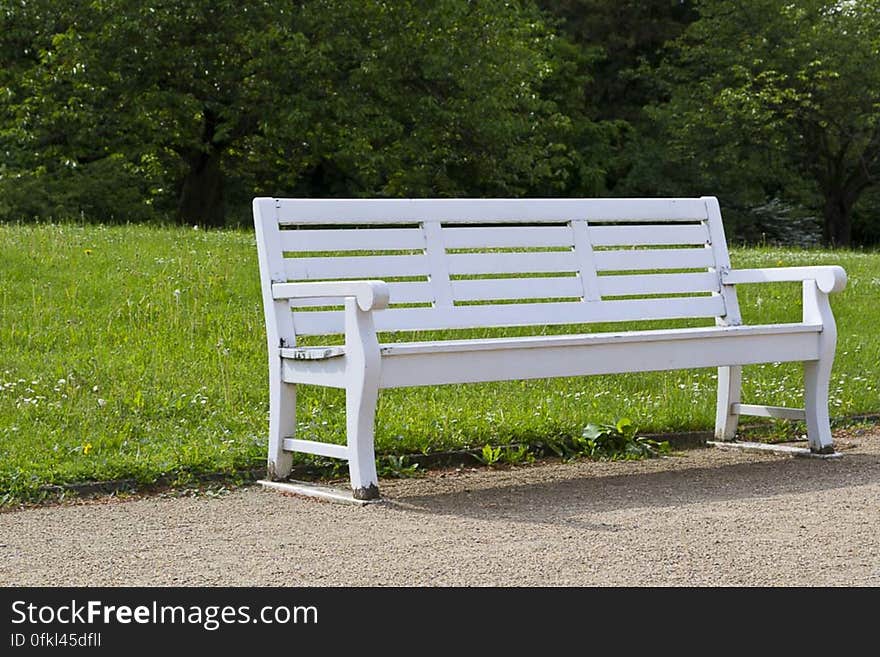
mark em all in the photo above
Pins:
pixel 468 263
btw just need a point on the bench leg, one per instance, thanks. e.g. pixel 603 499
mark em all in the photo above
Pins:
pixel 360 415
pixel 282 424
pixel 729 391
pixel 817 373
pixel 361 395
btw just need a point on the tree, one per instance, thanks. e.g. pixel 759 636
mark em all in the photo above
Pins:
pixel 773 91
pixel 619 43
pixel 623 39
pixel 196 100
pixel 163 90
pixel 41 132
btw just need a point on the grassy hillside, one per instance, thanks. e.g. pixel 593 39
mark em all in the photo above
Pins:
pixel 139 352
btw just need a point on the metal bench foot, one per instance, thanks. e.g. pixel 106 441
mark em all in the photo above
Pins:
pixel 327 493
pixel 786 450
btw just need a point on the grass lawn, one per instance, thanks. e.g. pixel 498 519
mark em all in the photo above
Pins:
pixel 138 352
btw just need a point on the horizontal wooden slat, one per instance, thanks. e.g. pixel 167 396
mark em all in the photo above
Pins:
pixel 314 447
pixel 610 286
pixel 511 263
pixel 318 269
pixel 507 237
pixel 517 288
pixel 312 353
pixel 648 235
pixel 544 288
pixel 330 372
pixel 641 259
pixel 782 412
pixel 390 211
pixel 686 334
pixel 517 314
pixel 402 292
pixel 546 360
pixel 352 239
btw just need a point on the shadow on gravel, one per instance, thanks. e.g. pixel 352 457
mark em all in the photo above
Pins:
pixel 565 501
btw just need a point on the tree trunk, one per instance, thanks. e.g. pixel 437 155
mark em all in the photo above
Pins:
pixel 837 227
pixel 201 196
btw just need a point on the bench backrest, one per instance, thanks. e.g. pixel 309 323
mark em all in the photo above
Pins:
pixel 461 263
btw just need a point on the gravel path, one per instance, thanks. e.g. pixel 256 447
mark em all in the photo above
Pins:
pixel 705 517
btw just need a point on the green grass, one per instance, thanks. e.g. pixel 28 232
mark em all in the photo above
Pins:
pixel 138 352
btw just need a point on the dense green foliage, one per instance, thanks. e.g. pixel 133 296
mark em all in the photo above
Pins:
pixel 780 100
pixel 118 111
pixel 139 352
pixel 183 105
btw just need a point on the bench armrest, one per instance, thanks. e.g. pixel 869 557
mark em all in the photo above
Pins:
pixel 829 278
pixel 370 295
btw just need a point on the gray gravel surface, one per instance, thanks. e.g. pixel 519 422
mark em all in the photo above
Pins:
pixel 704 517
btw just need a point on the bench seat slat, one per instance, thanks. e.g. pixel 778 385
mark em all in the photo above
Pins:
pixel 636 353
pixel 536 341
pixel 530 342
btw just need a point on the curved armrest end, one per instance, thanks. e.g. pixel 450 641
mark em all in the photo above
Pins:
pixel 832 278
pixel 374 296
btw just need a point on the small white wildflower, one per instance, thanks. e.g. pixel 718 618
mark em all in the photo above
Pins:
pixel 94 388
pixel 102 402
pixel 176 294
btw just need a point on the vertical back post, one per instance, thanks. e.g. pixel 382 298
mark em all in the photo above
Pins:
pixel 583 252
pixel 721 256
pixel 729 377
pixel 438 267
pixel 279 333
pixel 279 319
